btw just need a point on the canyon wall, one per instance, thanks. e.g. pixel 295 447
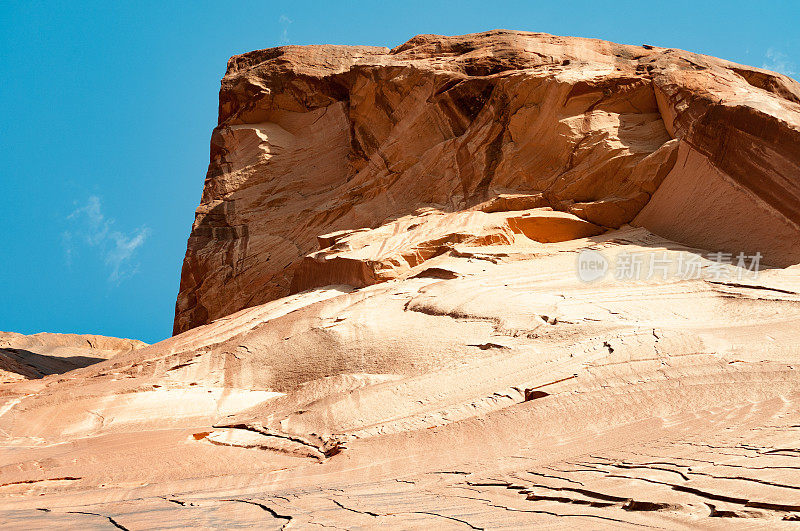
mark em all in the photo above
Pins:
pixel 384 319
pixel 315 142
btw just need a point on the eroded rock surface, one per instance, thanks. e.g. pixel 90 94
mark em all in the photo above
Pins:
pixel 34 356
pixel 314 140
pixel 385 317
pixel 486 386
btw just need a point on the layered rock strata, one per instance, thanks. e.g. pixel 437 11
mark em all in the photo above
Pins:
pixel 314 140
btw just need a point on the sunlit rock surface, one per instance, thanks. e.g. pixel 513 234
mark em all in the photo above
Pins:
pixel 472 282
pixel 34 356
pixel 315 140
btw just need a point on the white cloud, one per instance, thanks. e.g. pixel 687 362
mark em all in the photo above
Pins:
pixel 68 245
pixel 120 253
pixel 779 62
pixel 90 227
pixel 96 226
pixel 285 22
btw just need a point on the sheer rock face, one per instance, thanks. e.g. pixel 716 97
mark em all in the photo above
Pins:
pixel 315 140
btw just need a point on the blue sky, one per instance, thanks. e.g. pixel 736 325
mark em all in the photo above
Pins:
pixel 107 110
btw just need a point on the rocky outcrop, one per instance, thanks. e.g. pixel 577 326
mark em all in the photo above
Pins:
pixel 362 257
pixel 470 319
pixel 29 357
pixel 322 139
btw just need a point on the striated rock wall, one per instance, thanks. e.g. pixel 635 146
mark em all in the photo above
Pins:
pixel 315 140
pixel 439 358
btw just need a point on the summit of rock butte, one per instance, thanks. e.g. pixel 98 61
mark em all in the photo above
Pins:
pixel 500 280
pixel 322 139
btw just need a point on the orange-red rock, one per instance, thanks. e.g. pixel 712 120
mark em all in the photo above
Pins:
pixel 430 353
pixel 318 139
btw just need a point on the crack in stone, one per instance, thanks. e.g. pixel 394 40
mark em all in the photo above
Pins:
pixel 449 518
pixel 550 513
pixel 782 507
pixel 369 513
pixel 266 508
pixel 28 481
pixel 376 515
pixel 111 520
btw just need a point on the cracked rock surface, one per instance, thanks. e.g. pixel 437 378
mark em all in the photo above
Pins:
pixel 508 394
pixel 383 321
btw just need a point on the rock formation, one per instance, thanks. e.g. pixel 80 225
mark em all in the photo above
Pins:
pixel 315 140
pixel 30 357
pixel 488 281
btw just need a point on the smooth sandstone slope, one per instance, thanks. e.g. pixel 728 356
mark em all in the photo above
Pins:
pixel 486 387
pixel 438 360
pixel 314 140
pixel 29 357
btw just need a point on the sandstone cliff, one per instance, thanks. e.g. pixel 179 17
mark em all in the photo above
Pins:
pixel 386 322
pixel 314 140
